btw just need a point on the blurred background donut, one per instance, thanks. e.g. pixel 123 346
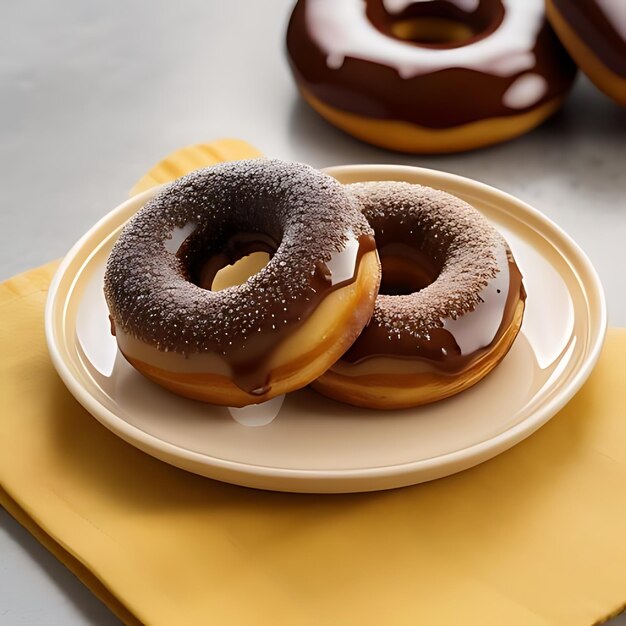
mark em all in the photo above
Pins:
pixel 429 76
pixel 594 33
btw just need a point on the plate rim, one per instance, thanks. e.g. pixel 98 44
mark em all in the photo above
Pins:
pixel 350 479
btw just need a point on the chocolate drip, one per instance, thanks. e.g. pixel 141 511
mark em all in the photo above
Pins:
pixel 439 348
pixel 249 361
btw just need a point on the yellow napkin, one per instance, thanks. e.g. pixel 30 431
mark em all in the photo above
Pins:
pixel 535 537
pixel 191 158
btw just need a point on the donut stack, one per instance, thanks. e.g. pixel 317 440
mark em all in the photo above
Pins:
pixel 437 76
pixel 383 294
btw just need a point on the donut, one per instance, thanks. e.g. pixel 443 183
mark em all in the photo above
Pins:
pixel 594 33
pixel 428 76
pixel 450 305
pixel 281 328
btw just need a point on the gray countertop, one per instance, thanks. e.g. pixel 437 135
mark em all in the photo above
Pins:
pixel 93 94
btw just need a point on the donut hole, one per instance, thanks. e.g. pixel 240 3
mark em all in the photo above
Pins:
pixel 239 272
pixel 437 24
pixel 405 270
pixel 432 30
pixel 243 256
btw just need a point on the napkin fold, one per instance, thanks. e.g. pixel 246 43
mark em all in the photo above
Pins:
pixel 534 537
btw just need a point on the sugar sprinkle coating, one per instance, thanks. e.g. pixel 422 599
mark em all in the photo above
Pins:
pixel 451 232
pixel 147 282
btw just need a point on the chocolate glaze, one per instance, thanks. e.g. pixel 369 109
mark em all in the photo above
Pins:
pixel 439 348
pixel 307 220
pixel 435 99
pixel 457 250
pixel 596 30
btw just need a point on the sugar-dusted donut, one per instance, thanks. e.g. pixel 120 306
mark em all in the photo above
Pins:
pixel 594 33
pixel 277 331
pixel 428 75
pixel 450 304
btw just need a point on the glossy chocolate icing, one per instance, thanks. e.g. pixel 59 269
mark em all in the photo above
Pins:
pixel 165 258
pixel 446 97
pixel 597 30
pixel 439 349
pixel 412 232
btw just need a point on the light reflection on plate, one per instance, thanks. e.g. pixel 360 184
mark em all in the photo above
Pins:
pixel 549 332
pixel 94 338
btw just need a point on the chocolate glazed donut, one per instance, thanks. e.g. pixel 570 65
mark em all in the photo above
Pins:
pixel 594 33
pixel 277 331
pixel 428 76
pixel 450 304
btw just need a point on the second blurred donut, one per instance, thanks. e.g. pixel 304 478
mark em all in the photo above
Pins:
pixel 594 33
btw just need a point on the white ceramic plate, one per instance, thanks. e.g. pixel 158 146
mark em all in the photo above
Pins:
pixel 316 444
